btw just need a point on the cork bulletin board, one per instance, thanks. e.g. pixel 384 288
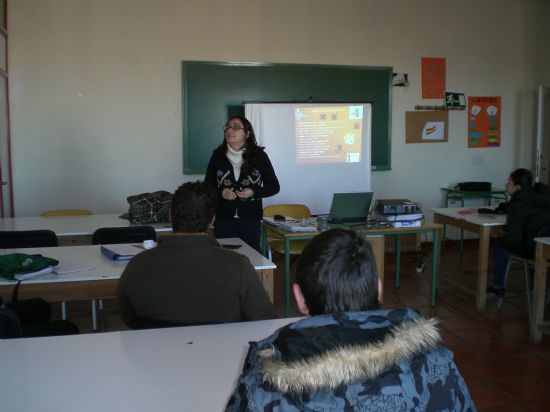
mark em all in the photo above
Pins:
pixel 426 126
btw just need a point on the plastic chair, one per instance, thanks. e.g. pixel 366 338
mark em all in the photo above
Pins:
pixel 117 235
pixel 527 263
pixel 296 211
pixel 27 238
pixel 31 238
pixel 66 212
pixel 10 327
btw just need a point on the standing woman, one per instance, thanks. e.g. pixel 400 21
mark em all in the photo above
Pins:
pixel 243 174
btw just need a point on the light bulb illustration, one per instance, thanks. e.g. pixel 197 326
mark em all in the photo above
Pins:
pixel 474 111
pixel 492 112
pixel 473 135
pixel 493 130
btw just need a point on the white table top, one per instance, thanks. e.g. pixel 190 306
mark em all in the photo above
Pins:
pixel 72 225
pixel 470 214
pixel 105 268
pixel 191 368
pixel 543 240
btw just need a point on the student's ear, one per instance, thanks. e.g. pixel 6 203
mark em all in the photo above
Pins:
pixel 380 289
pixel 300 301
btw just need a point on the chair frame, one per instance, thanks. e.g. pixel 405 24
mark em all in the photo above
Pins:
pixel 526 263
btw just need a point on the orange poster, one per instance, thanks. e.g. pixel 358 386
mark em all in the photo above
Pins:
pixel 433 77
pixel 484 121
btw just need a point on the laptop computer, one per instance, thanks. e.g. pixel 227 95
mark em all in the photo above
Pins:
pixel 350 207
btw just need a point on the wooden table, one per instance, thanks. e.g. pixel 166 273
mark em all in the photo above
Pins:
pixel 73 230
pixel 375 235
pixel 542 255
pixel 101 282
pixel 192 368
pixel 452 194
pixel 482 224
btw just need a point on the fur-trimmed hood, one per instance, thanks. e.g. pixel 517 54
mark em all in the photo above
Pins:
pixel 354 355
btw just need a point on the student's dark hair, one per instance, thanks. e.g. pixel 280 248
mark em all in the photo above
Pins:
pixel 337 273
pixel 250 155
pixel 193 207
pixel 523 178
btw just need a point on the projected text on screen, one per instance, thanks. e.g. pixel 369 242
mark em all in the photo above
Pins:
pixel 330 134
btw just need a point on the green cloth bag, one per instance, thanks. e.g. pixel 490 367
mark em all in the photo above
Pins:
pixel 21 263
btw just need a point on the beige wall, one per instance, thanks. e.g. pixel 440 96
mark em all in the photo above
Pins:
pixel 96 85
pixel 541 48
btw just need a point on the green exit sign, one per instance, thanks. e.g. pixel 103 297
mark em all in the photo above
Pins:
pixel 455 100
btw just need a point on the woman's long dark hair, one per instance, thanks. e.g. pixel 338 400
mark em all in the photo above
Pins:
pixel 251 147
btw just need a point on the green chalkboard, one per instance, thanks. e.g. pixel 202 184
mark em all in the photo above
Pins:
pixel 214 91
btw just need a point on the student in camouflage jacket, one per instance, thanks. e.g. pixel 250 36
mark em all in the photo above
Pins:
pixel 349 356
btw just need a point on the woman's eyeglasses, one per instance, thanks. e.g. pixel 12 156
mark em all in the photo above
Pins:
pixel 232 127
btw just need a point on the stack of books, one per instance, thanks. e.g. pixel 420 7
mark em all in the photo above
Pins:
pixel 400 220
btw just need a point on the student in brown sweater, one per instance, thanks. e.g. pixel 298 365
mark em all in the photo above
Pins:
pixel 188 278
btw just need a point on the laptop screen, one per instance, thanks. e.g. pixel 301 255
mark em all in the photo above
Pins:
pixel 350 207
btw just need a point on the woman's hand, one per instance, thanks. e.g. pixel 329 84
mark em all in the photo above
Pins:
pixel 245 193
pixel 228 194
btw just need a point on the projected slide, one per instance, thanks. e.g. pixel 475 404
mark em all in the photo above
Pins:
pixel 329 134
pixel 316 149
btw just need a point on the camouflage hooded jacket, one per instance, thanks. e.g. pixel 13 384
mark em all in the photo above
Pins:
pixel 382 360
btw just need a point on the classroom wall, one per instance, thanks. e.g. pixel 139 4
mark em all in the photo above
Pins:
pixel 95 86
pixel 541 28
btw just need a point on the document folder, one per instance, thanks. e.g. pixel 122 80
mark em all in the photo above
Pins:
pixel 121 252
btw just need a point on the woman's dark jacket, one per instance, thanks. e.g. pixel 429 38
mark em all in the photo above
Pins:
pixel 528 212
pixel 261 179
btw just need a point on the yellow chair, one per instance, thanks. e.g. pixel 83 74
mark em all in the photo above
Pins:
pixel 275 241
pixel 66 212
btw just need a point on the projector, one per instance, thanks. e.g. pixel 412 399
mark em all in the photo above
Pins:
pixel 396 206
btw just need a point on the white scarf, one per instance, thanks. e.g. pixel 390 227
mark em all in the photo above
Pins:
pixel 236 159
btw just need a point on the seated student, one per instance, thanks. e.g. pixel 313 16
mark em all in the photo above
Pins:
pixel 188 278
pixel 527 212
pixel 347 355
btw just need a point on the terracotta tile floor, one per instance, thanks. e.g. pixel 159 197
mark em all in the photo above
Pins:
pixel 503 369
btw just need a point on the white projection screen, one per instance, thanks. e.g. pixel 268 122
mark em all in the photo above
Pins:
pixel 317 149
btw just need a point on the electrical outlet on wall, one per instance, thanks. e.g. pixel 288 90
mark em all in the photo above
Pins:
pixel 477 160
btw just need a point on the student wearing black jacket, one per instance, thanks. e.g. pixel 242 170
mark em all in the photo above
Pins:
pixel 243 175
pixel 527 212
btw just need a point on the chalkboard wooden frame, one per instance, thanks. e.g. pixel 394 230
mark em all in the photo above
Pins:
pixel 215 91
